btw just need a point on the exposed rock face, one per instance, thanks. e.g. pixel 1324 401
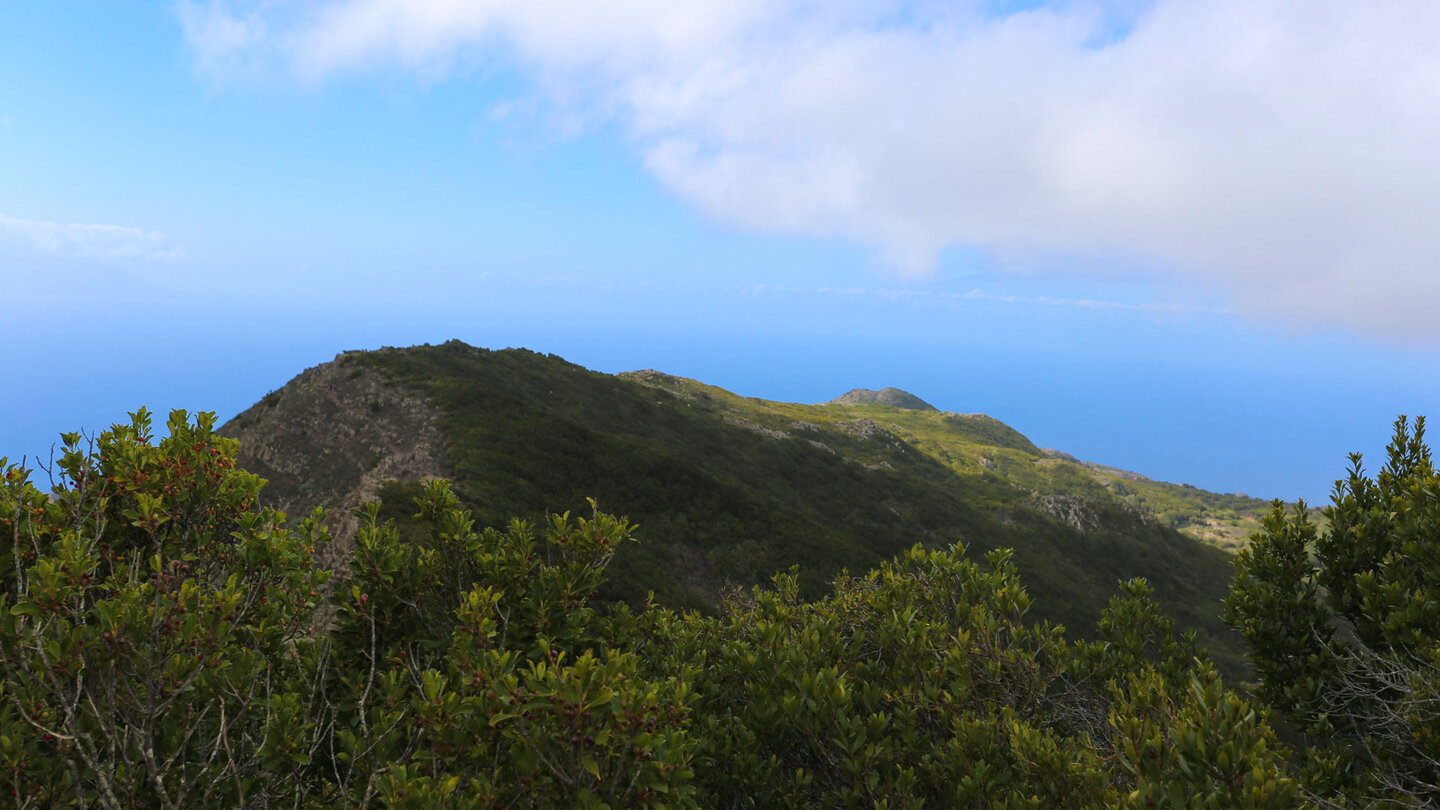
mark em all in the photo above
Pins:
pixel 659 379
pixel 893 397
pixel 761 429
pixel 1077 513
pixel 1083 514
pixel 330 437
pixel 863 429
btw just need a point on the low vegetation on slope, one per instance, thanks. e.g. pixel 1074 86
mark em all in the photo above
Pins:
pixel 982 447
pixel 727 491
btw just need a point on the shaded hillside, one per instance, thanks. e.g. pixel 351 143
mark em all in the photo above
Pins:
pixel 728 490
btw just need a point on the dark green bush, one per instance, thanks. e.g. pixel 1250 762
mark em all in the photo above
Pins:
pixel 164 645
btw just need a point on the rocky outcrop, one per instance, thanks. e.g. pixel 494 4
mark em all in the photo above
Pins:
pixel 761 429
pixel 863 429
pixel 1084 514
pixel 1076 512
pixel 330 437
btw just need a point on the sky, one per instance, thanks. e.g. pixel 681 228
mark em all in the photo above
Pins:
pixel 1189 239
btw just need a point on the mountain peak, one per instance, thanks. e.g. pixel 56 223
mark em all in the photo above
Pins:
pixel 893 397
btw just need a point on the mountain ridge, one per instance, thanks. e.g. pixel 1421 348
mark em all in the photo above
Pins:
pixel 727 489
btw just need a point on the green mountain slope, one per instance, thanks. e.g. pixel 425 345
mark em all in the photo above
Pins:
pixel 727 490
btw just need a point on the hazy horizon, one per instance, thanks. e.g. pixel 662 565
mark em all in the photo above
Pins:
pixel 1190 240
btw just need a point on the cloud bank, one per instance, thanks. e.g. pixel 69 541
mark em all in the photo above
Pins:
pixel 90 241
pixel 1283 150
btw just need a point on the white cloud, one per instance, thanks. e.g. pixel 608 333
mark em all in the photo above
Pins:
pixel 90 241
pixel 1284 150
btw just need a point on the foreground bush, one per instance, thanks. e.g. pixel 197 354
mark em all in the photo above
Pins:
pixel 150 625
pixel 160 647
pixel 1343 628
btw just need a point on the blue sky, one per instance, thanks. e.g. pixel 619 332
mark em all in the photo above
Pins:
pixel 1192 240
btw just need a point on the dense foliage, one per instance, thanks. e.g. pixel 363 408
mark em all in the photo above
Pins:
pixel 152 626
pixel 165 644
pixel 1343 628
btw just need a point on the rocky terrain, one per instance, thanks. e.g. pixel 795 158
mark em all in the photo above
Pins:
pixel 331 436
